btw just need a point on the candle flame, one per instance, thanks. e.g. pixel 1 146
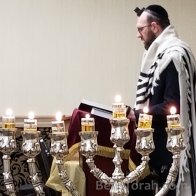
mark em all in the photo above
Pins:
pixel 118 98
pixel 58 116
pixel 173 110
pixel 9 112
pixel 87 116
pixel 145 110
pixel 31 115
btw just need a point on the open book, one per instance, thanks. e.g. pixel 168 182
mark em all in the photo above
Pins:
pixel 96 108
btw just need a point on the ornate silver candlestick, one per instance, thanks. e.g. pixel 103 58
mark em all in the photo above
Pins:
pixel 119 136
pixel 59 150
pixel 7 146
pixel 175 144
pixel 144 146
pixel 31 148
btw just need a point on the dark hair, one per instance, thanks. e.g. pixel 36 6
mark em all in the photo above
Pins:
pixel 156 13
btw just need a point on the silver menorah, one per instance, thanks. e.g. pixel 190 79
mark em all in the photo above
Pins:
pixel 144 146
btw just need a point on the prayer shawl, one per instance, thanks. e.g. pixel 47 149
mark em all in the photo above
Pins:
pixel 170 48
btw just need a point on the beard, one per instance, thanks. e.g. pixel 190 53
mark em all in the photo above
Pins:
pixel 151 38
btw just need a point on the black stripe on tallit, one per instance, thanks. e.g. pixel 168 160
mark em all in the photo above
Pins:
pixel 143 93
pixel 146 86
pixel 143 101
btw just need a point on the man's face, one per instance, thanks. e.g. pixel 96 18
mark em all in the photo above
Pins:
pixel 145 32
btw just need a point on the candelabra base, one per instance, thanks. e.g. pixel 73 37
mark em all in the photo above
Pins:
pixel 119 189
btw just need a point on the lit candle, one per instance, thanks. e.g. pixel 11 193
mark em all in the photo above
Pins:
pixel 87 123
pixel 118 108
pixel 30 124
pixel 173 120
pixel 8 121
pixel 58 125
pixel 145 120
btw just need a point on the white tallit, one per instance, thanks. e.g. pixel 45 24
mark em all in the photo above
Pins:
pixel 173 48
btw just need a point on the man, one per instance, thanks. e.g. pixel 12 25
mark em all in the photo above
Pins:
pixel 167 78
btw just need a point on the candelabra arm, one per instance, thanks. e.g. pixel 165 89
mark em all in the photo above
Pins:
pixel 59 149
pixel 144 146
pixel 137 173
pixel 175 144
pixel 37 184
pixel 65 179
pixel 100 175
pixel 171 178
pixel 8 180
pixel 89 148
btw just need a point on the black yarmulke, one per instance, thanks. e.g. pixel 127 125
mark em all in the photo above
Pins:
pixel 158 11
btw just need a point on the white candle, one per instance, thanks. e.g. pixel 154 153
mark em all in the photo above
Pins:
pixel 118 109
pixel 87 123
pixel 173 120
pixel 145 120
pixel 30 124
pixel 58 125
pixel 8 121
